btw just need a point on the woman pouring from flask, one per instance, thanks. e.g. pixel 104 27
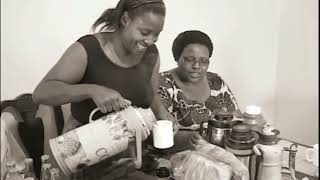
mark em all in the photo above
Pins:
pixel 113 68
pixel 110 70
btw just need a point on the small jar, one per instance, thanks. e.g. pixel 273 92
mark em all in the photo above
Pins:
pixel 253 117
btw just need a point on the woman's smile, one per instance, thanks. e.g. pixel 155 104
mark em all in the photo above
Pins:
pixel 142 46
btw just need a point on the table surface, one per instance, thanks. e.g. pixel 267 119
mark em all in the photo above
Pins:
pixel 302 166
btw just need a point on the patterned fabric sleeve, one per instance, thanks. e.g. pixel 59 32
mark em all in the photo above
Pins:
pixel 232 98
pixel 221 95
pixel 164 91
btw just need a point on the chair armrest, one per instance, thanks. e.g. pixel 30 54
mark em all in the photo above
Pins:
pixel 46 113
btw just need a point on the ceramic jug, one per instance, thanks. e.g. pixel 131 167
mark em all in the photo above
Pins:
pixel 270 155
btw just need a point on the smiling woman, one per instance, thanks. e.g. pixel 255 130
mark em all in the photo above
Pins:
pixel 110 70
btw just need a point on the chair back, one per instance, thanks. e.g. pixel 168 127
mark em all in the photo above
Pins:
pixel 28 129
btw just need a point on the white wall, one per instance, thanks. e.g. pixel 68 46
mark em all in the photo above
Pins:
pixel 297 84
pixel 248 38
pixel 244 34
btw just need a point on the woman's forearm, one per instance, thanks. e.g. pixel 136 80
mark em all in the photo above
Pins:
pixel 159 110
pixel 162 113
pixel 57 93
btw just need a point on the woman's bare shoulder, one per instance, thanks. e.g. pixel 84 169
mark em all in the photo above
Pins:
pixel 103 37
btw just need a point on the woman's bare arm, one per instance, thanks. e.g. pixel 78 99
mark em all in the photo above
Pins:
pixel 59 85
pixel 157 107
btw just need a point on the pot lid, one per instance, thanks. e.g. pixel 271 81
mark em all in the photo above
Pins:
pixel 223 116
pixel 241 128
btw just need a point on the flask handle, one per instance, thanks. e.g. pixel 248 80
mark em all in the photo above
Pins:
pixel 92 113
pixel 137 156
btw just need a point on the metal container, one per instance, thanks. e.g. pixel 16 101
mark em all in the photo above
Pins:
pixel 270 153
pixel 219 128
pixel 240 143
pixel 253 117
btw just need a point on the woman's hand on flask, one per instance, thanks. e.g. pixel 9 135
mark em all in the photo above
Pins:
pixel 108 100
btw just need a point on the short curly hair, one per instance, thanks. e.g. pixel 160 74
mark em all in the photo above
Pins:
pixel 190 37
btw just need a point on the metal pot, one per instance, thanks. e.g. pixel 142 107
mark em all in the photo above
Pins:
pixel 219 127
pixel 240 143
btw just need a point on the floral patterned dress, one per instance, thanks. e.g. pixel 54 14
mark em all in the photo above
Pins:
pixel 190 113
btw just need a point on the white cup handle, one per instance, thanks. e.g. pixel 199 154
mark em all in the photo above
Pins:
pixel 308 154
pixel 92 113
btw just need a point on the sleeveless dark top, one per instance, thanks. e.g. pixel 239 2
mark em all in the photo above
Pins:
pixel 132 83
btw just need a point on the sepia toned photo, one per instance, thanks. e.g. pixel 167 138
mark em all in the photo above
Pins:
pixel 159 89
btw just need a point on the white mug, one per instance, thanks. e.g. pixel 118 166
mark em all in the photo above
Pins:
pixel 312 155
pixel 163 134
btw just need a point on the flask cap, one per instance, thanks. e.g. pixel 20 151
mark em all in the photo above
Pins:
pixel 269 139
pixel 253 109
pixel 223 116
pixel 242 137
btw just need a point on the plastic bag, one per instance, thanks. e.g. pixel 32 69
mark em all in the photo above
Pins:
pixel 208 161
pixel 239 170
pixel 194 165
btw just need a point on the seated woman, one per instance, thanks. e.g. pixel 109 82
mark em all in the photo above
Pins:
pixel 189 91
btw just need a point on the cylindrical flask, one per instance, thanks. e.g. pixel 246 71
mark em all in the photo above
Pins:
pixel 270 153
pixel 29 170
pixel 45 171
pixel 253 117
pixel 219 128
pixel 55 174
pixel 102 138
pixel 240 142
pixel 45 159
pixel 11 172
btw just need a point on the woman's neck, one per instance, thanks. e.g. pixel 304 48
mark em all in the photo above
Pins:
pixel 118 46
pixel 121 55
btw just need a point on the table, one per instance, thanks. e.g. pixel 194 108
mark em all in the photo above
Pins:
pixel 155 158
pixel 303 167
